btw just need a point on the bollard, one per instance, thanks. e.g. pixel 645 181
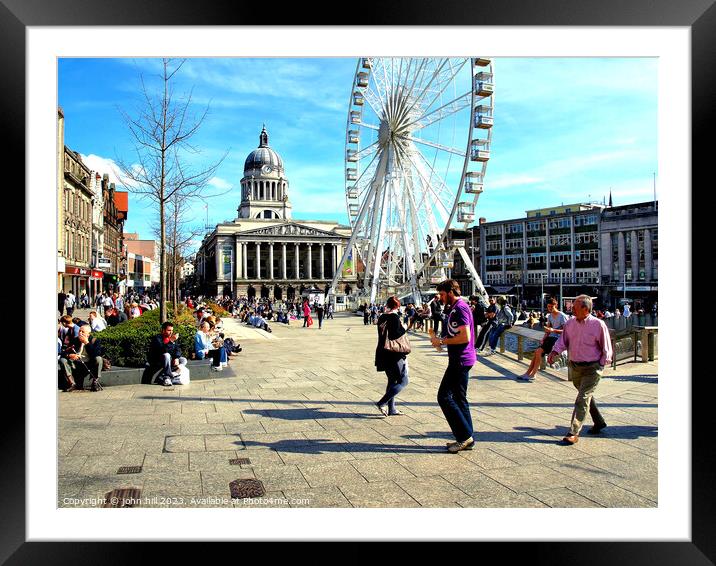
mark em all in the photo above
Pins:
pixel 520 353
pixel 502 343
pixel 645 354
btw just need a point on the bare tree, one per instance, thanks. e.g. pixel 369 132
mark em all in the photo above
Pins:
pixel 180 236
pixel 162 131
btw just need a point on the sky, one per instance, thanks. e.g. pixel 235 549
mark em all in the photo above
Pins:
pixel 566 130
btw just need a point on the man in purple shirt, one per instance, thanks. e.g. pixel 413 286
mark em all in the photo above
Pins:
pixel 459 338
pixel 590 349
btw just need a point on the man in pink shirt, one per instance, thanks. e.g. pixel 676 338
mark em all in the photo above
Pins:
pixel 590 349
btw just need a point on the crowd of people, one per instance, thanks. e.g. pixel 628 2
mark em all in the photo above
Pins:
pixel 467 328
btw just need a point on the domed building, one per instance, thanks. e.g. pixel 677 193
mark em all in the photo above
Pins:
pixel 264 252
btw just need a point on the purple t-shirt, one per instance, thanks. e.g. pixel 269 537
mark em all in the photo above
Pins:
pixel 460 314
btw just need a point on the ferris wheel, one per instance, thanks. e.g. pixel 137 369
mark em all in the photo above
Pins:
pixel 418 141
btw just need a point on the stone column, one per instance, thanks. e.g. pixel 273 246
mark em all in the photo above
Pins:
pixel 605 256
pixel 622 256
pixel 244 258
pixel 238 273
pixel 309 272
pixel 648 256
pixel 271 261
pixel 634 255
pixel 334 260
pixel 217 258
pixel 298 278
pixel 283 260
pixel 258 260
pixel 323 269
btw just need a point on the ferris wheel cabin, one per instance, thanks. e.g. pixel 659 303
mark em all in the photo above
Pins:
pixel 355 117
pixel 351 174
pixel 483 84
pixel 483 117
pixel 480 150
pixel 353 209
pixel 465 212
pixel 362 80
pixel 474 182
pixel 482 61
pixel 352 192
pixel 351 155
pixel 353 136
pixel 358 99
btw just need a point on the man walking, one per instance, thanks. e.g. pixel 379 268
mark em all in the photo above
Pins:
pixel 458 336
pixel 590 349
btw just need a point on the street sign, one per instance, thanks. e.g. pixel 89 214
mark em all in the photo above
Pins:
pixel 448 264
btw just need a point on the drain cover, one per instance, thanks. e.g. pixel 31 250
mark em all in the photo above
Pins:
pixel 130 470
pixel 241 489
pixel 239 461
pixel 128 497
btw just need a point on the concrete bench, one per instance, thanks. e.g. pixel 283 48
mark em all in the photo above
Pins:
pixel 199 369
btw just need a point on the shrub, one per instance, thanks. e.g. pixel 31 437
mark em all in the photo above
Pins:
pixel 127 344
pixel 217 309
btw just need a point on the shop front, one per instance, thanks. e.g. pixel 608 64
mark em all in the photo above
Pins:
pixel 76 279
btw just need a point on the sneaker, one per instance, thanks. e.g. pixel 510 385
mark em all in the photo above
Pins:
pixel 469 447
pixel 525 377
pixel 159 380
pixel 465 445
pixel 217 368
pixel 167 382
pixel 382 410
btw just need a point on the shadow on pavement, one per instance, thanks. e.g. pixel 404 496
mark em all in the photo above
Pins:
pixel 326 446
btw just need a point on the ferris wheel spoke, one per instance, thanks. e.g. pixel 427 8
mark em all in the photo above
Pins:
pixel 448 80
pixel 442 208
pixel 448 109
pixel 425 90
pixel 441 147
pixel 366 151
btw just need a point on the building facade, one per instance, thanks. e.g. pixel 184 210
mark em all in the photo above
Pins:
pixel 264 252
pixel 630 252
pixel 580 248
pixel 142 263
pixel 113 254
pixel 76 222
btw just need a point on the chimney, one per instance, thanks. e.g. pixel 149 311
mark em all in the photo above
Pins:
pixel 482 220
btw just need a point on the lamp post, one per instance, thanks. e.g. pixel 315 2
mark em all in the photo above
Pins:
pixel 542 295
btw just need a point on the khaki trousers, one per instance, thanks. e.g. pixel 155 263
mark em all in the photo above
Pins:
pixel 585 379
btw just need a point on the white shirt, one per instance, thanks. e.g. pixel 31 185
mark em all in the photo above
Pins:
pixel 98 324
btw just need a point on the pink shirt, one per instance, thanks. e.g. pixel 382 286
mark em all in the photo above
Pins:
pixel 587 341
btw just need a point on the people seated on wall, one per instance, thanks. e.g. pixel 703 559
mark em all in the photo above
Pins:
pixel 116 317
pixel 204 348
pixel 82 357
pixel 165 355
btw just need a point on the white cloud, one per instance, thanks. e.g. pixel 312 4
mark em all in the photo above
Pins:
pixel 102 165
pixel 219 183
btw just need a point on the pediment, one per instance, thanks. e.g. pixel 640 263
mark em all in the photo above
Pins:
pixel 288 229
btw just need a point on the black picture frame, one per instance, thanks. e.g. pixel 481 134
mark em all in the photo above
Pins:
pixel 698 15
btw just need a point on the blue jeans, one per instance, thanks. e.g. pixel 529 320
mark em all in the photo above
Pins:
pixel 495 334
pixel 452 398
pixel 397 381
pixel 167 365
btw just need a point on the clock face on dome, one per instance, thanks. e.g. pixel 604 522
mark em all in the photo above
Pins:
pixel 266 169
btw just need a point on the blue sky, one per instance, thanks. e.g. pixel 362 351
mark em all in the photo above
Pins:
pixel 566 129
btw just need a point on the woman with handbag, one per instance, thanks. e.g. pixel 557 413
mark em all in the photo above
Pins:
pixel 390 355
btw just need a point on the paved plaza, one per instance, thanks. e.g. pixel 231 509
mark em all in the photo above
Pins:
pixel 296 409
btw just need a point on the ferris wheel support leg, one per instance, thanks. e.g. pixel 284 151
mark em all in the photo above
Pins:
pixel 477 282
